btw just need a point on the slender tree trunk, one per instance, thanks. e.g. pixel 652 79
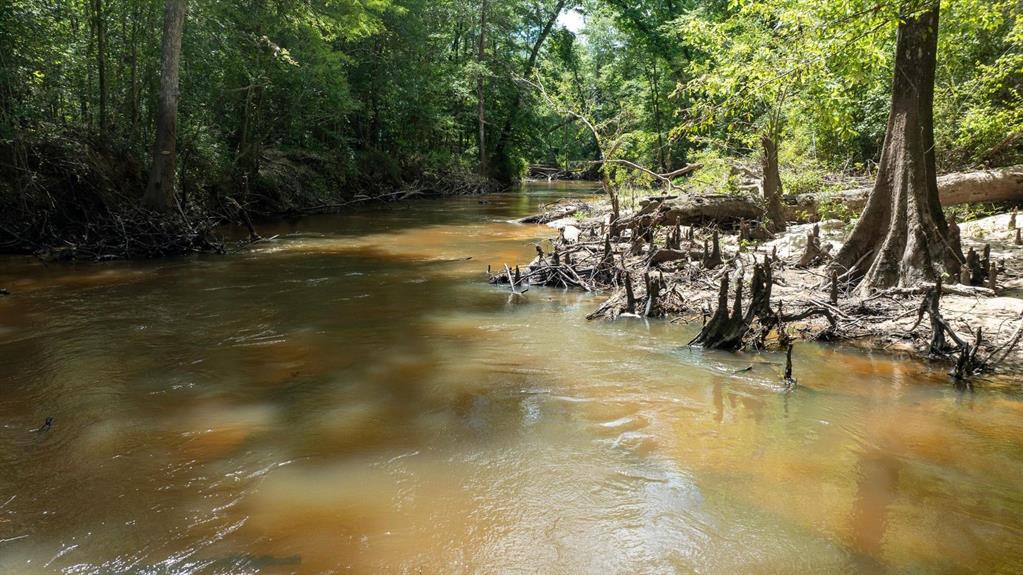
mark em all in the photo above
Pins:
pixel 655 80
pixel 133 107
pixel 503 140
pixel 160 191
pixel 85 90
pixel 902 236
pixel 101 61
pixel 481 88
pixel 772 186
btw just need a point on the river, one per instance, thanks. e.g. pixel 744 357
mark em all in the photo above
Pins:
pixel 353 397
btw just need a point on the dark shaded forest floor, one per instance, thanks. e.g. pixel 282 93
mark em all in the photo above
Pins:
pixel 75 198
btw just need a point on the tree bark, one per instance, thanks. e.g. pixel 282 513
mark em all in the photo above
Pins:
pixel 160 191
pixel 902 236
pixel 692 210
pixel 654 80
pixel 775 217
pixel 480 88
pixel 99 19
pixel 503 140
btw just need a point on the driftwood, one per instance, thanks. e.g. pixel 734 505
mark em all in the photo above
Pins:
pixel 46 426
pixel 552 214
pixel 968 361
pixel 925 287
pixel 662 256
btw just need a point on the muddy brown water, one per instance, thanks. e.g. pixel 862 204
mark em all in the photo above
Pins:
pixel 354 398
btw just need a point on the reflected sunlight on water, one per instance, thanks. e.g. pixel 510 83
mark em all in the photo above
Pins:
pixel 353 397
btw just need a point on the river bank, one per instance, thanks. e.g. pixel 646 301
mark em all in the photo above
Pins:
pixel 689 273
pixel 75 197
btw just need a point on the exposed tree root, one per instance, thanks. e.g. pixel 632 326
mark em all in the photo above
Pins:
pixel 668 270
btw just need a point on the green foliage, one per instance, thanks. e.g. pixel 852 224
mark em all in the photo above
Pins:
pixel 980 97
pixel 829 210
pixel 289 100
pixel 970 212
pixel 719 173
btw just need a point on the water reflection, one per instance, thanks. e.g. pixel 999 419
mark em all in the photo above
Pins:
pixel 353 397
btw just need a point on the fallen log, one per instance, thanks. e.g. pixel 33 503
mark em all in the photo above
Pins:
pixel 555 213
pixel 995 185
pixel 925 287
pixel 703 210
pixel 662 256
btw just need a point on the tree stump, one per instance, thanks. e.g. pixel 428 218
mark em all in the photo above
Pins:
pixel 712 259
pixel 724 330
pixel 814 253
pixel 931 306
pixel 654 285
pixel 630 296
pixel 955 240
pixel 834 287
pixel 789 381
pixel 976 267
pixel 727 330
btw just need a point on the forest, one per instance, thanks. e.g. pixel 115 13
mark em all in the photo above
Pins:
pixel 511 286
pixel 270 108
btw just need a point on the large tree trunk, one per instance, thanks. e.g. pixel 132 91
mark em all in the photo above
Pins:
pixel 902 236
pixel 775 220
pixel 160 191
